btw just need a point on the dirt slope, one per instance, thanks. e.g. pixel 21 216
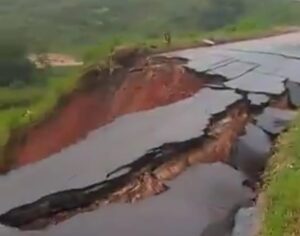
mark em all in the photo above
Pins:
pixel 149 85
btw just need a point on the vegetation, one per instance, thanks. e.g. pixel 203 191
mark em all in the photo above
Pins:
pixel 282 192
pixel 97 21
pixel 92 28
pixel 14 66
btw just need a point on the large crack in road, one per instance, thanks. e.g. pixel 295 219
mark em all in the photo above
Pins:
pixel 187 168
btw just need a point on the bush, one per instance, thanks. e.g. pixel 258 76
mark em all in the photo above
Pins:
pixel 15 67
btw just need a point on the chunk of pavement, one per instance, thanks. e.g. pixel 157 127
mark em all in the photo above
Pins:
pixel 197 198
pixel 256 82
pixel 200 54
pixel 294 92
pixel 274 120
pixel 233 70
pixel 268 63
pixel 251 152
pixel 133 134
pixel 7 231
pixel 258 99
pixel 290 69
pixel 224 227
pixel 246 222
pixel 206 63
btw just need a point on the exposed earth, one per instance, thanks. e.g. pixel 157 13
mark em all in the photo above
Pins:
pixel 174 142
pixel 102 99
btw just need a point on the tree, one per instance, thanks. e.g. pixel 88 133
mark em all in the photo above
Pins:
pixel 15 67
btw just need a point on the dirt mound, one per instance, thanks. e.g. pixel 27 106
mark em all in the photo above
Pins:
pixel 146 86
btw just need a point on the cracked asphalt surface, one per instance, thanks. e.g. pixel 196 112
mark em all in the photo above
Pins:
pixel 261 68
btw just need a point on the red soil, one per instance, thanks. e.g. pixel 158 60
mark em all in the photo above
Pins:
pixel 151 86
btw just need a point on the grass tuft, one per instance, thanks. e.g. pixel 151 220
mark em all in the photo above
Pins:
pixel 282 193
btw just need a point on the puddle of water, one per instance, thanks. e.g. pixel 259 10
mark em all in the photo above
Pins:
pixel 201 196
pixel 294 92
pixel 274 121
pixel 258 99
pixel 252 151
pixel 111 146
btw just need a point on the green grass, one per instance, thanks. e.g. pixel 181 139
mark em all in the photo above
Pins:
pixel 38 99
pixel 95 22
pixel 282 192
pixel 243 30
pixel 79 33
pixel 41 98
pixel 10 97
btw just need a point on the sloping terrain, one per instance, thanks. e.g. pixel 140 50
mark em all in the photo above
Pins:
pixel 125 91
pixel 187 167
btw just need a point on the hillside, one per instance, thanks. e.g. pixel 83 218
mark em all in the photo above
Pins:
pixel 72 68
pixel 64 23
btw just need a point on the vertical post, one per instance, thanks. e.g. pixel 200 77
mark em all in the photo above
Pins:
pixel 168 38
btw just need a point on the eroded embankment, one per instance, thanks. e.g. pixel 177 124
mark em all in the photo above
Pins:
pixel 104 95
pixel 146 177
pixel 247 104
pixel 230 138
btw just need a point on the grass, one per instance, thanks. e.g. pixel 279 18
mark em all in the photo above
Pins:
pixel 10 97
pixel 243 30
pixel 282 193
pixel 40 99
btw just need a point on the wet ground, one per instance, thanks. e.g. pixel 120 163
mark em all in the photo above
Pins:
pixel 203 198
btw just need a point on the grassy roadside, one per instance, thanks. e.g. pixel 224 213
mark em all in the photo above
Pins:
pixel 40 100
pixel 242 31
pixel 281 208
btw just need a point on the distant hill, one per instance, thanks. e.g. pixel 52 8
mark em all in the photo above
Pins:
pixel 77 22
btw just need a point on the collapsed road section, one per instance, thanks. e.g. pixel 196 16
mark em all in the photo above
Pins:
pixel 111 147
pixel 102 96
pixel 182 169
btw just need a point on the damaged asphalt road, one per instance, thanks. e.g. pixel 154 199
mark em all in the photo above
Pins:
pixel 254 73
